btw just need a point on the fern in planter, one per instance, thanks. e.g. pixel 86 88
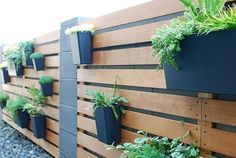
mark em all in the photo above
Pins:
pixel 35 108
pixel 107 112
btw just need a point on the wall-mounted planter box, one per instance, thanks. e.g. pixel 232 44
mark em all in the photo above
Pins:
pixel 3 103
pixel 26 60
pixel 5 75
pixel 39 126
pixel 14 69
pixel 81 47
pixel 46 89
pixel 38 64
pixel 108 127
pixel 207 64
pixel 22 119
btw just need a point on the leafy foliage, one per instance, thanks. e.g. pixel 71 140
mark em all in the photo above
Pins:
pixel 80 28
pixel 36 55
pixel 156 147
pixel 13 53
pixel 26 48
pixel 36 105
pixel 207 16
pixel 102 99
pixel 4 96
pixel 45 79
pixel 13 106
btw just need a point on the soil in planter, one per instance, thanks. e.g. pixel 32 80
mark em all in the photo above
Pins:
pixel 3 103
pixel 38 64
pixel 22 119
pixel 39 126
pixel 108 127
pixel 5 75
pixel 46 89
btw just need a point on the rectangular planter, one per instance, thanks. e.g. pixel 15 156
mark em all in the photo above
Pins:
pixel 46 89
pixel 38 64
pixel 108 127
pixel 5 75
pixel 3 104
pixel 39 126
pixel 13 69
pixel 22 119
pixel 207 64
pixel 81 47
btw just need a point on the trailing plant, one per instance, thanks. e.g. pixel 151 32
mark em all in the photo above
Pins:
pixel 3 96
pixel 3 65
pixel 13 106
pixel 45 79
pixel 203 18
pixel 80 28
pixel 157 147
pixel 36 105
pixel 36 55
pixel 102 99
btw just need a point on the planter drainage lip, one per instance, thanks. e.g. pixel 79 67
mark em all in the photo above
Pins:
pixel 207 64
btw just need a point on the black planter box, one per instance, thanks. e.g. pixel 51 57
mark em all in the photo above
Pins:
pixel 5 75
pixel 26 57
pixel 14 69
pixel 108 127
pixel 81 47
pixel 39 126
pixel 22 119
pixel 207 64
pixel 38 63
pixel 3 103
pixel 46 89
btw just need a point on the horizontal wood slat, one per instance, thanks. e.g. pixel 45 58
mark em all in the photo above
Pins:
pixel 140 12
pixel 51 36
pixel 165 103
pixel 218 111
pixel 37 74
pixel 219 141
pixel 130 77
pixel 52 61
pixel 127 36
pixel 51 48
pixel 130 56
pixel 44 144
pixel 96 146
pixel 84 154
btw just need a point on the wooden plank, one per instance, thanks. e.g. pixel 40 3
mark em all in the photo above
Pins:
pixel 147 10
pixel 128 77
pixel 54 73
pixel 185 106
pixel 52 125
pixel 52 61
pixel 43 143
pixel 16 81
pixel 52 112
pixel 127 36
pixel 50 48
pixel 130 56
pixel 84 154
pixel 13 89
pixel 84 107
pixel 219 141
pixel 219 111
pixel 51 36
pixel 96 146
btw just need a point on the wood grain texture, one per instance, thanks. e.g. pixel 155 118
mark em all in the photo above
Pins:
pixel 51 36
pixel 37 74
pixel 128 77
pixel 81 153
pixel 51 48
pixel 165 103
pixel 219 141
pixel 52 61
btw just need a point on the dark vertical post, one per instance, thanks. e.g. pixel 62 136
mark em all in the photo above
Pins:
pixel 68 94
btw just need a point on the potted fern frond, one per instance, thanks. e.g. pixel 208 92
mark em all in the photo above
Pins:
pixel 4 72
pixel 81 43
pixel 46 83
pixel 107 111
pixel 38 60
pixel 35 109
pixel 3 99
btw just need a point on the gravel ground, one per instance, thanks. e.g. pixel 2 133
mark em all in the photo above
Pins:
pixel 14 145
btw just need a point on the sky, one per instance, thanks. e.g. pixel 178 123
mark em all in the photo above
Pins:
pixel 25 19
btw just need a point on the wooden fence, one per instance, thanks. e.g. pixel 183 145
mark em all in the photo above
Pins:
pixel 48 44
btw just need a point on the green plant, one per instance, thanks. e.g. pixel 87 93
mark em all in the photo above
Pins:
pixel 156 147
pixel 13 106
pixel 26 48
pixel 13 53
pixel 45 79
pixel 207 16
pixel 3 65
pixel 3 96
pixel 36 105
pixel 80 28
pixel 36 55
pixel 102 99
